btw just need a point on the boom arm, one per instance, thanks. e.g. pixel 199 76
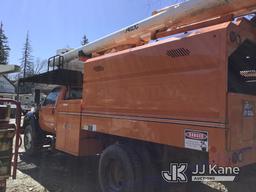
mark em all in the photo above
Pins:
pixel 187 12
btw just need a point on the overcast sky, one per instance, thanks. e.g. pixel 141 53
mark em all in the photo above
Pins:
pixel 55 24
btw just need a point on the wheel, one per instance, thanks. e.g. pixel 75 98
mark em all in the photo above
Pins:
pixel 120 170
pixel 32 141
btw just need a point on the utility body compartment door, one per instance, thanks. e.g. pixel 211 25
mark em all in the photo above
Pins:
pixel 242 120
pixel 68 126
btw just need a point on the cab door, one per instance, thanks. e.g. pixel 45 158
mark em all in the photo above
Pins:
pixel 69 122
pixel 47 112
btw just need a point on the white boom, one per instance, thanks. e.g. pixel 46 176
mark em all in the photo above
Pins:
pixel 187 12
pixel 5 69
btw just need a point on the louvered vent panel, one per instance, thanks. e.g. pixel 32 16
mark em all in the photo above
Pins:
pixel 181 52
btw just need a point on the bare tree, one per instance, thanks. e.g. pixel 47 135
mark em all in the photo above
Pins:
pixel 40 66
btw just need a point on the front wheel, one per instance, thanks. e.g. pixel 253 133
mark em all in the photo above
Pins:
pixel 31 140
pixel 120 170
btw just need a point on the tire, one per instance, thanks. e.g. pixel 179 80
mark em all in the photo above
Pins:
pixel 120 170
pixel 32 141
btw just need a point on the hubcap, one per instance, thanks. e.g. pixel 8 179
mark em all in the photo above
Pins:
pixel 116 176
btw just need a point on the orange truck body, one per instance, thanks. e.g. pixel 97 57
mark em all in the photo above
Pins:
pixel 156 92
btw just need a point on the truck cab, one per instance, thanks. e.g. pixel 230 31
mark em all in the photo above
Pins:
pixel 57 100
pixel 42 121
pixel 47 115
pixel 58 114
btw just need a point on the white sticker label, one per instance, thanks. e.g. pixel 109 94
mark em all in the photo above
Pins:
pixel 90 127
pixel 197 140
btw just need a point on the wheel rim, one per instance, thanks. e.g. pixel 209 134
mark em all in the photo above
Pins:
pixel 116 176
pixel 27 140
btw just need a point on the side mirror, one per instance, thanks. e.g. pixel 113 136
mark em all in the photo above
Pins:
pixel 42 102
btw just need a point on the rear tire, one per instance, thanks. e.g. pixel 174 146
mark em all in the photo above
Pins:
pixel 120 170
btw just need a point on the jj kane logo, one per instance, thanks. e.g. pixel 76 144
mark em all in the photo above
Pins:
pixel 177 173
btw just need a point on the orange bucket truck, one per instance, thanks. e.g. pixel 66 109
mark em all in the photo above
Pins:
pixel 179 86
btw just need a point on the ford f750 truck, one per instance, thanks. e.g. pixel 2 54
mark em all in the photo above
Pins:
pixel 190 97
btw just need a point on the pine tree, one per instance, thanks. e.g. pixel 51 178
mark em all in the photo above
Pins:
pixel 27 65
pixel 4 48
pixel 84 40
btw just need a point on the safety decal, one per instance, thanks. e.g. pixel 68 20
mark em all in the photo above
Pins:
pixel 197 140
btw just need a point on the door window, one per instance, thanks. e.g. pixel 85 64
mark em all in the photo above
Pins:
pixel 74 93
pixel 52 97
